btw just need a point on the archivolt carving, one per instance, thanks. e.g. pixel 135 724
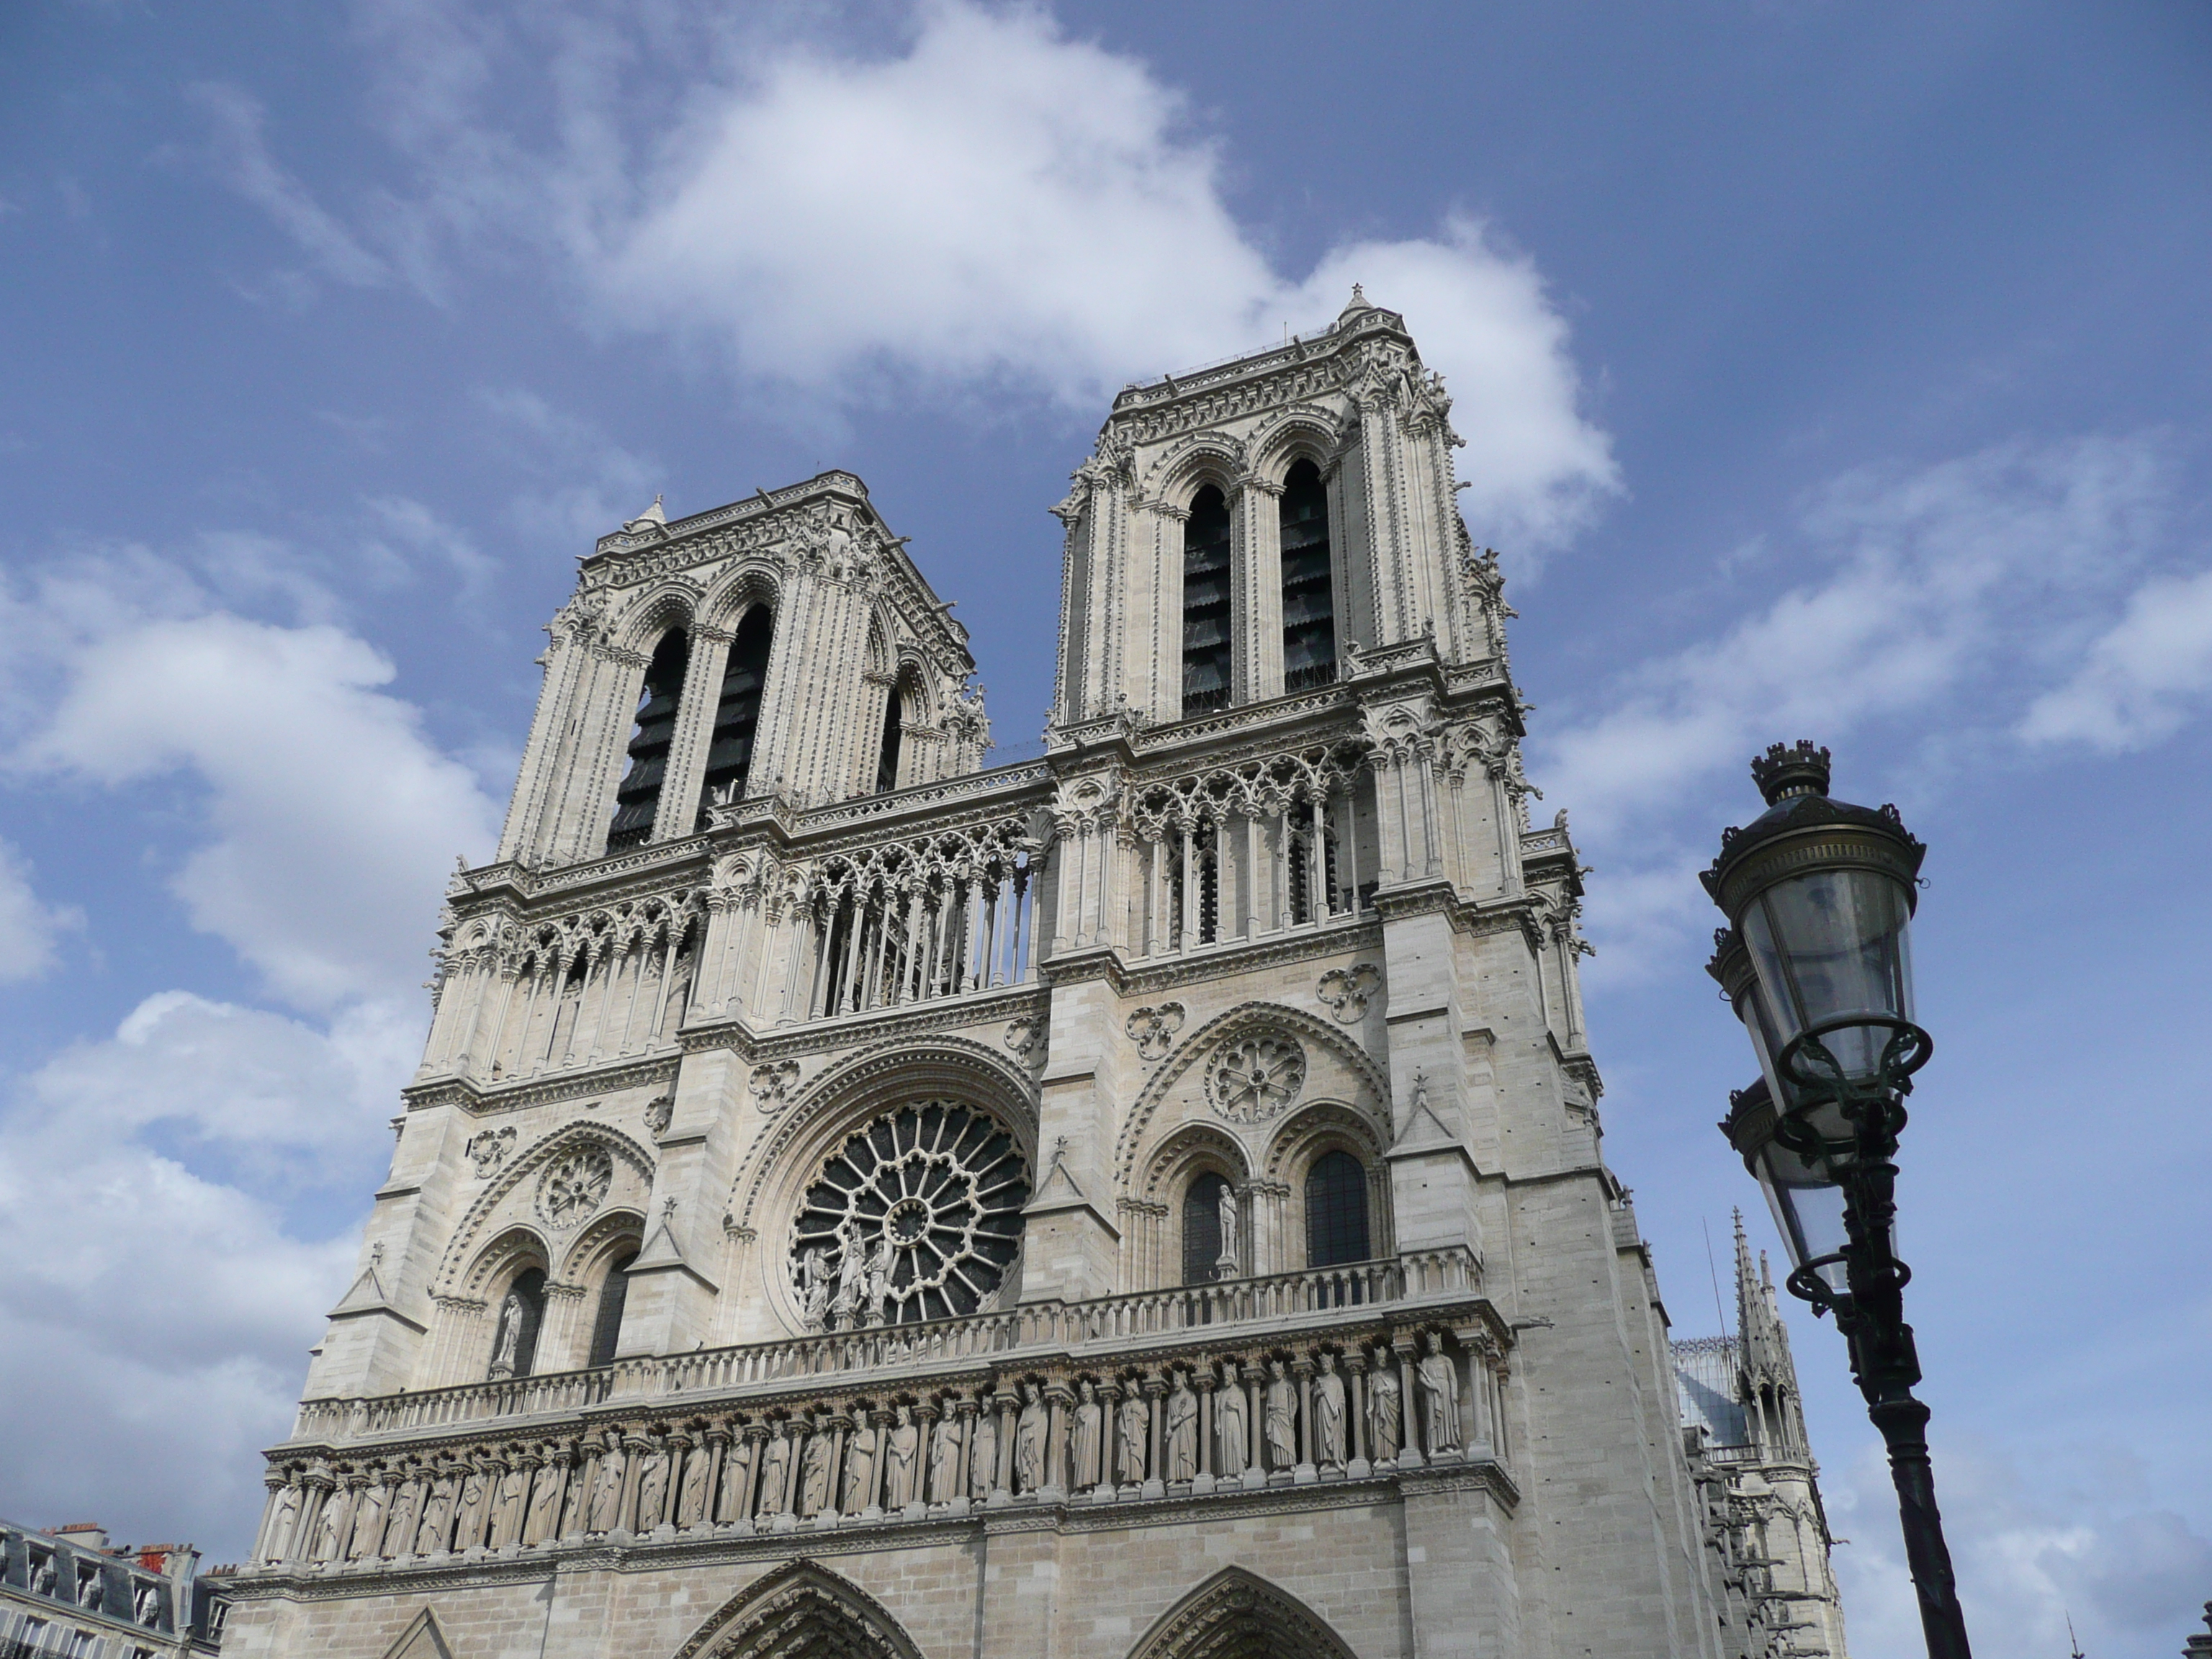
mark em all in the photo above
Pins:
pixel 1204 457
pixel 673 603
pixel 801 1611
pixel 619 1147
pixel 1200 1047
pixel 1323 1120
pixel 1191 1141
pixel 1237 1614
pixel 1288 433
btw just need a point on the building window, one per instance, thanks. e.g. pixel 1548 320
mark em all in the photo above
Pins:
pixel 736 716
pixel 887 754
pixel 1206 604
pixel 639 798
pixel 1336 1210
pixel 606 1326
pixel 1308 605
pixel 1201 1230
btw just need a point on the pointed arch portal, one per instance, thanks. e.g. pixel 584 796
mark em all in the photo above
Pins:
pixel 1236 1615
pixel 801 1611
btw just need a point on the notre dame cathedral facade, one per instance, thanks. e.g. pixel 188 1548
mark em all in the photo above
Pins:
pixel 1142 1203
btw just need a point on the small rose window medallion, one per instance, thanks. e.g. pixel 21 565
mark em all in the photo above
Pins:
pixel 1256 1078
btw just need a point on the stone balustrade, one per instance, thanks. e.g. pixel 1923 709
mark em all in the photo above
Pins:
pixel 1195 1410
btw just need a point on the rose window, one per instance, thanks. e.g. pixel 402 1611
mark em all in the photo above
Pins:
pixel 917 1217
pixel 575 1186
pixel 1256 1078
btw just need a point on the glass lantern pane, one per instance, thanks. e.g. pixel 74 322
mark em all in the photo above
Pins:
pixel 1828 945
pixel 1810 1218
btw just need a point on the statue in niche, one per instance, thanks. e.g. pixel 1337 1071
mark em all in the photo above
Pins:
pixel 508 1508
pixel 1029 1438
pixel 544 1520
pixel 1438 1379
pixel 944 1456
pixel 368 1521
pixel 814 1471
pixel 327 1528
pixel 1090 1434
pixel 437 1527
pixel 506 1339
pixel 606 1507
pixel 878 1283
pixel 691 1498
pixel 1181 1450
pixel 734 1471
pixel 404 1508
pixel 1280 1418
pixel 1134 1427
pixel 653 1487
pixel 469 1527
pixel 146 1602
pixel 1385 1410
pixel 905 1449
pixel 814 1288
pixel 1328 1415
pixel 852 1283
pixel 1232 1428
pixel 42 1567
pixel 776 1470
pixel 858 1489
pixel 983 1450
pixel 280 1532
pixel 88 1588
pixel 1224 1266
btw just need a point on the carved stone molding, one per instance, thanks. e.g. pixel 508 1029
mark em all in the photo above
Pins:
pixel 1152 1030
pixel 1253 1078
pixel 1346 991
pixel 573 1187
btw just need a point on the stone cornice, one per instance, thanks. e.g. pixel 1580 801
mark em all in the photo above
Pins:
pixel 569 1083
pixel 857 1031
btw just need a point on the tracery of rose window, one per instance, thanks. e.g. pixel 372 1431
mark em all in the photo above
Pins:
pixel 918 1216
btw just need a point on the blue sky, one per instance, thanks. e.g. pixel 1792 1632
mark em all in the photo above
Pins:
pixel 1833 371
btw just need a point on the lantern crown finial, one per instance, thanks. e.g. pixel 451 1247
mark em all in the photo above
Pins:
pixel 1785 770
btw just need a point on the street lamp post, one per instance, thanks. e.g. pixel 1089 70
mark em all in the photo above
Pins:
pixel 1820 896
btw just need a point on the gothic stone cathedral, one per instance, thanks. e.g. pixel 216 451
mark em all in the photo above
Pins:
pixel 1142 1203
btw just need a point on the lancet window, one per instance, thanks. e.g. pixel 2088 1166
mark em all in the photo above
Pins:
pixel 1336 1210
pixel 606 1323
pixel 736 716
pixel 887 752
pixel 1206 621
pixel 1309 601
pixel 638 799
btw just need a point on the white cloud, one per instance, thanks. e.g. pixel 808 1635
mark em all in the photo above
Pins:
pixel 2141 679
pixel 1971 573
pixel 240 155
pixel 178 1205
pixel 1005 204
pixel 29 930
pixel 2076 1541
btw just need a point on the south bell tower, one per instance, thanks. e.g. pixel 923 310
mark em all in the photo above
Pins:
pixel 1144 1200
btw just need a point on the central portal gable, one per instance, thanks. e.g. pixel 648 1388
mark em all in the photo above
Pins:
pixel 1236 1615
pixel 801 1611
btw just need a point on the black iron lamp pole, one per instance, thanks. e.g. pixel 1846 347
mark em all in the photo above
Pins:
pixel 1820 896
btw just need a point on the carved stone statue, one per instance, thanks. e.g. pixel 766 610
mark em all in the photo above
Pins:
pixel 1089 1435
pixel 735 1467
pixel 1328 1415
pixel 432 1536
pixel 775 1471
pixel 1385 1410
pixel 506 1339
pixel 1135 1425
pixel 878 1290
pixel 814 1471
pixel 544 1520
pixel 1232 1425
pixel 652 1488
pixel 905 1450
pixel 1439 1384
pixel 851 1283
pixel 368 1522
pixel 1029 1438
pixel 1180 1449
pixel 1280 1418
pixel 814 1288
pixel 1224 1266
pixel 400 1537
pixel 469 1524
pixel 327 1528
pixel 944 1457
pixel 507 1508
pixel 606 1493
pixel 983 1451
pixel 858 1489
pixel 691 1496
